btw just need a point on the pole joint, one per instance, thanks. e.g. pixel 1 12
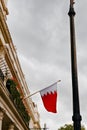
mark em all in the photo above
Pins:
pixel 76 117
pixel 71 10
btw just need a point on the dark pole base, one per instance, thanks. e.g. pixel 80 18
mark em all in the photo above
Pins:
pixel 77 122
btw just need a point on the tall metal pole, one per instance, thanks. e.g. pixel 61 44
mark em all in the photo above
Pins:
pixel 76 108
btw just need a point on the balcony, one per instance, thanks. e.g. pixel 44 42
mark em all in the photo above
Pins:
pixel 15 97
pixel 13 94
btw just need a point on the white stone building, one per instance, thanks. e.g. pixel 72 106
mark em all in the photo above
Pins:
pixel 15 113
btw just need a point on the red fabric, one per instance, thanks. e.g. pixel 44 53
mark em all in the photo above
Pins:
pixel 50 101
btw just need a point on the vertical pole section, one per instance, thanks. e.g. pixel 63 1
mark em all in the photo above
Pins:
pixel 76 108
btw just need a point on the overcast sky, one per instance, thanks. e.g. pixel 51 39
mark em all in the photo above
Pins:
pixel 40 32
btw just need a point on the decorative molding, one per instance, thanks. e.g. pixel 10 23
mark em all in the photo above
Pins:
pixel 4 7
pixel 4 28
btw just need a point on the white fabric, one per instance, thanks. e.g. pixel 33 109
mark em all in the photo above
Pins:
pixel 49 89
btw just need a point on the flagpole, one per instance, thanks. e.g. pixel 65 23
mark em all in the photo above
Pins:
pixel 31 95
pixel 76 108
pixel 38 91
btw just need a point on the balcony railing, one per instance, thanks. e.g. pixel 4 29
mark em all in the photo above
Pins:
pixel 15 98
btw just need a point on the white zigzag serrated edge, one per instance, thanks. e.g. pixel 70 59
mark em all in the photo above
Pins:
pixel 50 89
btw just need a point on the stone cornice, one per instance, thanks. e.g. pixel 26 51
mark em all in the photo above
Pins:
pixel 4 28
pixel 4 7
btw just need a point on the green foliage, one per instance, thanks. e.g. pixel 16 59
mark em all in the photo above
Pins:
pixel 69 127
pixel 11 86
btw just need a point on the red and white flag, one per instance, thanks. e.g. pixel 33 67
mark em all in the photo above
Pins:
pixel 49 98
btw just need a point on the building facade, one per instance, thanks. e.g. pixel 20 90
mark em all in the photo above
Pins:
pixel 15 113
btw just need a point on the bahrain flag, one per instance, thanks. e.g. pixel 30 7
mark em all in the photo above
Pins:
pixel 49 98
